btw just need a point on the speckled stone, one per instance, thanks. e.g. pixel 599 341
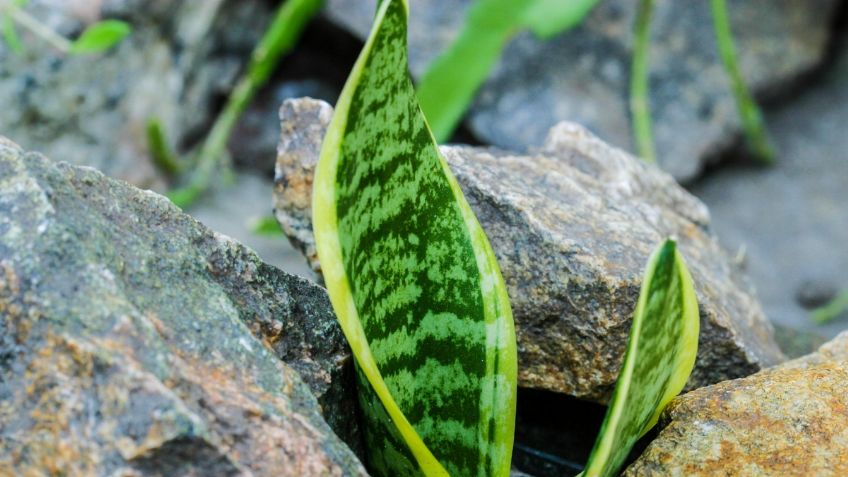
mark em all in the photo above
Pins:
pixel 572 226
pixel 135 341
pixel 788 420
pixel 583 75
pixel 303 123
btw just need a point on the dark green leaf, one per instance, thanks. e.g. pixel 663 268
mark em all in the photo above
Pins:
pixel 100 36
pixel 412 278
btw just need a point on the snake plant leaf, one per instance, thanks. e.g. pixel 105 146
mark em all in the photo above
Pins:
pixel 412 278
pixel 450 82
pixel 660 356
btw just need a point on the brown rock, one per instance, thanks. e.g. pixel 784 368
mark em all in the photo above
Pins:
pixel 572 226
pixel 788 420
pixel 303 123
pixel 135 341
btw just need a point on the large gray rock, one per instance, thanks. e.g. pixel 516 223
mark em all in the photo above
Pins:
pixel 135 341
pixel 789 420
pixel 791 219
pixel 572 226
pixel 583 75
pixel 92 110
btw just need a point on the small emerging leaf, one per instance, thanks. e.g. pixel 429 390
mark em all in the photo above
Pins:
pixel 412 278
pixel 660 356
pixel 266 226
pixel 832 310
pixel 100 36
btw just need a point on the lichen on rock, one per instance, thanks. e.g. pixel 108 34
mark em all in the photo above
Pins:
pixel 135 341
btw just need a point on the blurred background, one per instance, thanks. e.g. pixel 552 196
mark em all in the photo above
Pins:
pixel 786 221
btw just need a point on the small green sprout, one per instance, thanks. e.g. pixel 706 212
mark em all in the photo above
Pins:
pixel 97 38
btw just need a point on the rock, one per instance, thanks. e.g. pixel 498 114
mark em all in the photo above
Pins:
pixel 254 140
pixel 303 123
pixel 790 219
pixel 93 109
pixel 835 350
pixel 572 226
pixel 789 420
pixel 135 341
pixel 235 210
pixel 583 75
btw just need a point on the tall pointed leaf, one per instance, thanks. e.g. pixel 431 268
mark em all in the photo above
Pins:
pixel 412 277
pixel 660 356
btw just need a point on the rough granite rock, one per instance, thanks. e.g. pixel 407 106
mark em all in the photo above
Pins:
pixel 135 341
pixel 789 420
pixel 303 123
pixel 572 226
pixel 583 75
pixel 93 109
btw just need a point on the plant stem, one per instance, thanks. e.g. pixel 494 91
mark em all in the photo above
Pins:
pixel 640 109
pixel 833 309
pixel 26 20
pixel 162 155
pixel 749 113
pixel 280 38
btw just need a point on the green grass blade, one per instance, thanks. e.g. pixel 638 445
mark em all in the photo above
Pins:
pixel 412 278
pixel 10 34
pixel 161 153
pixel 660 356
pixel 282 35
pixel 640 108
pixel 449 85
pixel 749 113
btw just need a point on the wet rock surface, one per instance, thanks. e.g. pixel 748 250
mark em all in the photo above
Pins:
pixel 789 420
pixel 572 226
pixel 791 219
pixel 583 75
pixel 135 341
pixel 93 109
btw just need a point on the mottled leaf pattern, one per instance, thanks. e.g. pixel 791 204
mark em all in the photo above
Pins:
pixel 412 278
pixel 660 356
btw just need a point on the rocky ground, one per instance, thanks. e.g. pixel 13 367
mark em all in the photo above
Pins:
pixel 106 288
